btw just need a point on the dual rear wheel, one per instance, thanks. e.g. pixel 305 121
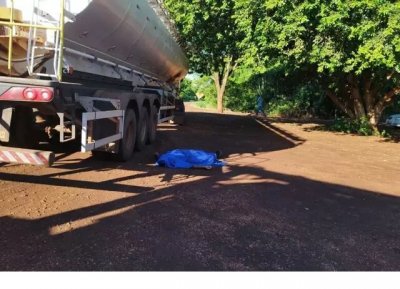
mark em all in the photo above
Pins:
pixel 137 133
pixel 127 144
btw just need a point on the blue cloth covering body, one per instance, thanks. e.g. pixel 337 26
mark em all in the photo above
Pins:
pixel 187 158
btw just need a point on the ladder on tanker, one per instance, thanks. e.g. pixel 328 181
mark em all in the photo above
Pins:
pixel 35 50
pixel 36 47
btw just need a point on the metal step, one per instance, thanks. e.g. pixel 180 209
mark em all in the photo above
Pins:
pixel 46 48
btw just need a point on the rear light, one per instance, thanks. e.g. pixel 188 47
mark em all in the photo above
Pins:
pixel 46 94
pixel 31 94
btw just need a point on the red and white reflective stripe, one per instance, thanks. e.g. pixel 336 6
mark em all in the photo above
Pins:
pixel 28 157
pixel 3 157
pixel 17 157
pixel 31 159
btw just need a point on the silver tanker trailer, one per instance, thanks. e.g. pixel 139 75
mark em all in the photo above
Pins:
pixel 98 71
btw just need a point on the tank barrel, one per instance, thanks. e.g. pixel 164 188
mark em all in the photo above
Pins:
pixel 133 34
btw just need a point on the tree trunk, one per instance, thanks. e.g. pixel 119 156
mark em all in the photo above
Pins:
pixel 221 80
pixel 376 112
pixel 359 107
pixel 362 100
pixel 369 96
pixel 333 97
pixel 220 92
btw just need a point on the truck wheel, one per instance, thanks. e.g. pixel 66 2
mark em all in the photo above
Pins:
pixel 127 144
pixel 142 133
pixel 141 138
pixel 153 122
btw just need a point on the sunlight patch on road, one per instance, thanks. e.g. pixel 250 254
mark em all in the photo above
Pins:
pixel 250 179
pixel 93 220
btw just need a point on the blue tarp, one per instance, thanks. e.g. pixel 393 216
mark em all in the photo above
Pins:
pixel 187 158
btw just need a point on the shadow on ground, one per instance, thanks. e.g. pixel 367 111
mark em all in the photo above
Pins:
pixel 238 218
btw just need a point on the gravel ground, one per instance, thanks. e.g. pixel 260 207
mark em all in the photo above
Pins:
pixel 291 198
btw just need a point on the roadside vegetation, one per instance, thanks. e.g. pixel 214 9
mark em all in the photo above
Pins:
pixel 308 59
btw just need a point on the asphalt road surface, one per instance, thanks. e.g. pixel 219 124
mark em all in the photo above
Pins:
pixel 290 198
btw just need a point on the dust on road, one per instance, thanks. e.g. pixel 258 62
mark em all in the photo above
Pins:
pixel 291 198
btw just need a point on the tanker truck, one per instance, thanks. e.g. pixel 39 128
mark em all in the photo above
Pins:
pixel 99 73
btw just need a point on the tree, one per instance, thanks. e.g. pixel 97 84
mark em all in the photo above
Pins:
pixel 351 47
pixel 187 93
pixel 210 37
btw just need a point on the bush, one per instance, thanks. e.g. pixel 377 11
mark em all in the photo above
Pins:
pixel 242 92
pixel 240 98
pixel 205 87
pixel 285 107
pixel 304 102
pixel 205 104
pixel 187 93
pixel 358 126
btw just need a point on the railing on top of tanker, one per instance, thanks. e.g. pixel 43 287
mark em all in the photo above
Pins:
pixel 13 24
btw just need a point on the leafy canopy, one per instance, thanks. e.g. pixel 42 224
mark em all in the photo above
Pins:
pixel 209 32
pixel 328 36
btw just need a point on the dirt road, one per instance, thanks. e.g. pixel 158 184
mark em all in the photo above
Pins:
pixel 291 198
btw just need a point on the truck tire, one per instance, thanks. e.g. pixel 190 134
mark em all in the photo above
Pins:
pixel 152 127
pixel 127 144
pixel 141 137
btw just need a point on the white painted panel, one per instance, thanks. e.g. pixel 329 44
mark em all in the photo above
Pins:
pixel 50 6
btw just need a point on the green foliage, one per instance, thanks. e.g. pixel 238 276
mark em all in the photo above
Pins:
pixel 200 91
pixel 206 92
pixel 242 92
pixel 305 101
pixel 187 93
pixel 295 100
pixel 359 126
pixel 286 107
pixel 297 53
pixel 205 104
pixel 338 43
pixel 329 36
pixel 208 32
